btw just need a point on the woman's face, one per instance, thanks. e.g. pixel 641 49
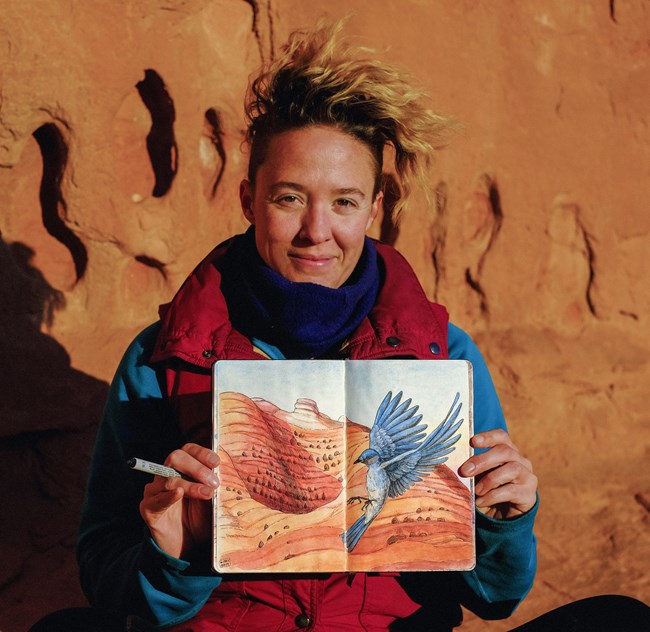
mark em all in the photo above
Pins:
pixel 312 203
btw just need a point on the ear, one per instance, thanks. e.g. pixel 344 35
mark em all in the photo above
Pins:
pixel 246 200
pixel 374 209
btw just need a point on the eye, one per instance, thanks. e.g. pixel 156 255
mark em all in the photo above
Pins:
pixel 288 199
pixel 345 203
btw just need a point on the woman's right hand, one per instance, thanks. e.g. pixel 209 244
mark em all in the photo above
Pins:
pixel 178 511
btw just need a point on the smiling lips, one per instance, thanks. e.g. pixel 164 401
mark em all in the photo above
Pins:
pixel 311 261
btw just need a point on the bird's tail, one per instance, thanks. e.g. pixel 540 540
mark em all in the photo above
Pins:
pixel 354 533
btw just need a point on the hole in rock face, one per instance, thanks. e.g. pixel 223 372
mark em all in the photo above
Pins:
pixel 161 143
pixel 214 157
pixel 439 235
pixel 389 230
pixel 495 202
pixel 150 262
pixel 54 152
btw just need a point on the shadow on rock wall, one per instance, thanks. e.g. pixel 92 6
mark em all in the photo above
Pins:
pixel 48 417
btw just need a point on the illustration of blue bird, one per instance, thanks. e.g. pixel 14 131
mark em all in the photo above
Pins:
pixel 397 457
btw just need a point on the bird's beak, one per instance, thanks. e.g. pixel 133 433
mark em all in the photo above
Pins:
pixel 358 460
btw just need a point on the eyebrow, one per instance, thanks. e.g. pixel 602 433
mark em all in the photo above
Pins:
pixel 287 185
pixel 351 191
pixel 302 189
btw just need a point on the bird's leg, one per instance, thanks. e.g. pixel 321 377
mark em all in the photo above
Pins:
pixel 361 499
pixel 358 499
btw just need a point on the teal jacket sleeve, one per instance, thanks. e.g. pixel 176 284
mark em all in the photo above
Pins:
pixel 506 549
pixel 121 568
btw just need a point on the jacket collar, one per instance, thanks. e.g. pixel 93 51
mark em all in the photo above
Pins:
pixel 195 326
pixel 403 323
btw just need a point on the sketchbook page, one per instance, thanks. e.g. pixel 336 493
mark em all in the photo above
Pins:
pixel 408 431
pixel 280 506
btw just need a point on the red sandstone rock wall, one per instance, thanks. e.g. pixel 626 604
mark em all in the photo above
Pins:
pixel 120 133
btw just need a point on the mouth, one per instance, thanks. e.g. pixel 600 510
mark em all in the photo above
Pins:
pixel 311 261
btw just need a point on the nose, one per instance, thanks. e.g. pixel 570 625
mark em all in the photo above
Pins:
pixel 316 223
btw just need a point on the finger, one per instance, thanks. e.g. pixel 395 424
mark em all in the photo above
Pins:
pixel 196 462
pixel 190 489
pixel 492 438
pixel 520 497
pixel 510 472
pixel 155 502
pixel 208 457
pixel 492 458
pixel 204 456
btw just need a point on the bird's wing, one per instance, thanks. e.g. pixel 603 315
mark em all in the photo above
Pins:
pixel 397 429
pixel 409 467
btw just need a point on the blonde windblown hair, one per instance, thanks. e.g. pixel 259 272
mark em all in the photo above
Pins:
pixel 321 80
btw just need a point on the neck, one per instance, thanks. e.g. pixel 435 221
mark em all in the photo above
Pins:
pixel 303 320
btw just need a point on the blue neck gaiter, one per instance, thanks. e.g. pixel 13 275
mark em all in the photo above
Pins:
pixel 304 320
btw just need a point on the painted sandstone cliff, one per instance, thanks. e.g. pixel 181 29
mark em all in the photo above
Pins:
pixel 283 505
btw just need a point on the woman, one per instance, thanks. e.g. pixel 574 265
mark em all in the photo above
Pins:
pixel 303 282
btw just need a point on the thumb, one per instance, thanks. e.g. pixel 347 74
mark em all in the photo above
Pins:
pixel 155 505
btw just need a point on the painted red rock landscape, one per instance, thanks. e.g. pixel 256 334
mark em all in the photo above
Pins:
pixel 282 504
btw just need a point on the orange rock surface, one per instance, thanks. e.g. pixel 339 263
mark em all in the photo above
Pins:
pixel 120 158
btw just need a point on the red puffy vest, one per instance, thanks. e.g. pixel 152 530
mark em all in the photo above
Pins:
pixel 195 333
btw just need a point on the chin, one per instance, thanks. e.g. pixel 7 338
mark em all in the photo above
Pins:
pixel 302 278
pixel 326 280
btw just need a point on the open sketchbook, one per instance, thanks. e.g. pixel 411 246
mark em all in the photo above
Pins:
pixel 339 465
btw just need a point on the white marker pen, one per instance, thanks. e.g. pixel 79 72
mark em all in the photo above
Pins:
pixel 153 468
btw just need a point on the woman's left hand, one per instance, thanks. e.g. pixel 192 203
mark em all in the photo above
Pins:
pixel 505 486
